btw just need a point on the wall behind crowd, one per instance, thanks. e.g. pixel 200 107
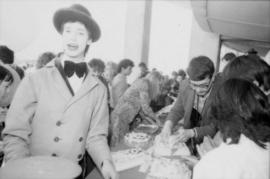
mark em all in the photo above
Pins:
pixel 38 30
pixel 27 28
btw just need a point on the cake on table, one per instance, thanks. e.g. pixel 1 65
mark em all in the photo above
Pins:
pixel 137 139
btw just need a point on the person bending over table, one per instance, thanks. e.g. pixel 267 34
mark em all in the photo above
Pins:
pixel 193 101
pixel 135 101
pixel 242 112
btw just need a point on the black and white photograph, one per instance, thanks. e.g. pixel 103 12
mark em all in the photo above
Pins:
pixel 134 89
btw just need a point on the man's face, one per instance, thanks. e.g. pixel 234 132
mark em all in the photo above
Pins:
pixel 201 87
pixel 96 72
pixel 179 78
pixel 174 76
pixel 143 69
pixel 128 70
pixel 75 38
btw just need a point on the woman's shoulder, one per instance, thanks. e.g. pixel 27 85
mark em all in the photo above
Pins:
pixel 213 163
pixel 229 154
pixel 224 153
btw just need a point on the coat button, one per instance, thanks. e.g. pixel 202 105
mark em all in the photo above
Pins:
pixel 79 156
pixel 58 123
pixel 56 139
pixel 80 139
pixel 54 155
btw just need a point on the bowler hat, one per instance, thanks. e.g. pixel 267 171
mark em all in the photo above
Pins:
pixel 79 13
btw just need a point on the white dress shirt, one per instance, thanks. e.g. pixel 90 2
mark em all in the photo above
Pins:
pixel 74 81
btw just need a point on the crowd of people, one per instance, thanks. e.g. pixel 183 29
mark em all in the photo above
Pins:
pixel 76 110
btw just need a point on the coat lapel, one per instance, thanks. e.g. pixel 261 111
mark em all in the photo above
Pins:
pixel 216 84
pixel 189 106
pixel 88 83
pixel 60 84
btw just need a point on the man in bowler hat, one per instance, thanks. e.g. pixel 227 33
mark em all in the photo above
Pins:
pixel 61 109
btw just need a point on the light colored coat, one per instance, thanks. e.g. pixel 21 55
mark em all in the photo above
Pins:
pixel 45 119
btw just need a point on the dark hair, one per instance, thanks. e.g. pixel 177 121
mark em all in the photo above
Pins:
pixel 86 49
pixel 44 58
pixel 200 67
pixel 240 107
pixel 182 73
pixel 97 65
pixel 4 73
pixel 124 64
pixel 6 55
pixel 142 64
pixel 229 56
pixel 19 70
pixel 174 73
pixel 251 68
pixel 252 51
pixel 166 85
pixel 72 21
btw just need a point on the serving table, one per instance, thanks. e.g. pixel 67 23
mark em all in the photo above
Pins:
pixel 132 173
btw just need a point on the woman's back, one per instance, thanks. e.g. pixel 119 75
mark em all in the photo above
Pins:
pixel 245 160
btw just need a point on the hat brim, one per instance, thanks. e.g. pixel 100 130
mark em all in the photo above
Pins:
pixel 64 15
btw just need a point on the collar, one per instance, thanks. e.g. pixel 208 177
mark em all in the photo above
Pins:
pixel 64 59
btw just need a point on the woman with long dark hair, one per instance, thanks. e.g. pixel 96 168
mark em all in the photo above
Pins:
pixel 243 118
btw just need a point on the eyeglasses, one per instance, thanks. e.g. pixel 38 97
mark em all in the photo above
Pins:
pixel 203 85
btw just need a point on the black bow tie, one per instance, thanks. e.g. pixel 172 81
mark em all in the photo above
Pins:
pixel 79 68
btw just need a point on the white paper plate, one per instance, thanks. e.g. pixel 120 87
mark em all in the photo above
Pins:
pixel 40 167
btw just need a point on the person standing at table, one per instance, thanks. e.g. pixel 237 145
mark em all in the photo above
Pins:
pixel 119 83
pixel 143 70
pixel 97 67
pixel 135 103
pixel 61 109
pixel 192 104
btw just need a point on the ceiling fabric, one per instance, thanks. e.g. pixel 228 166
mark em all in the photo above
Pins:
pixel 241 24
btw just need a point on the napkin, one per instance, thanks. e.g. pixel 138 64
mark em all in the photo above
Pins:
pixel 129 158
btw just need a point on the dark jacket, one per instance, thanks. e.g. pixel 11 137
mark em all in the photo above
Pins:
pixel 184 104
